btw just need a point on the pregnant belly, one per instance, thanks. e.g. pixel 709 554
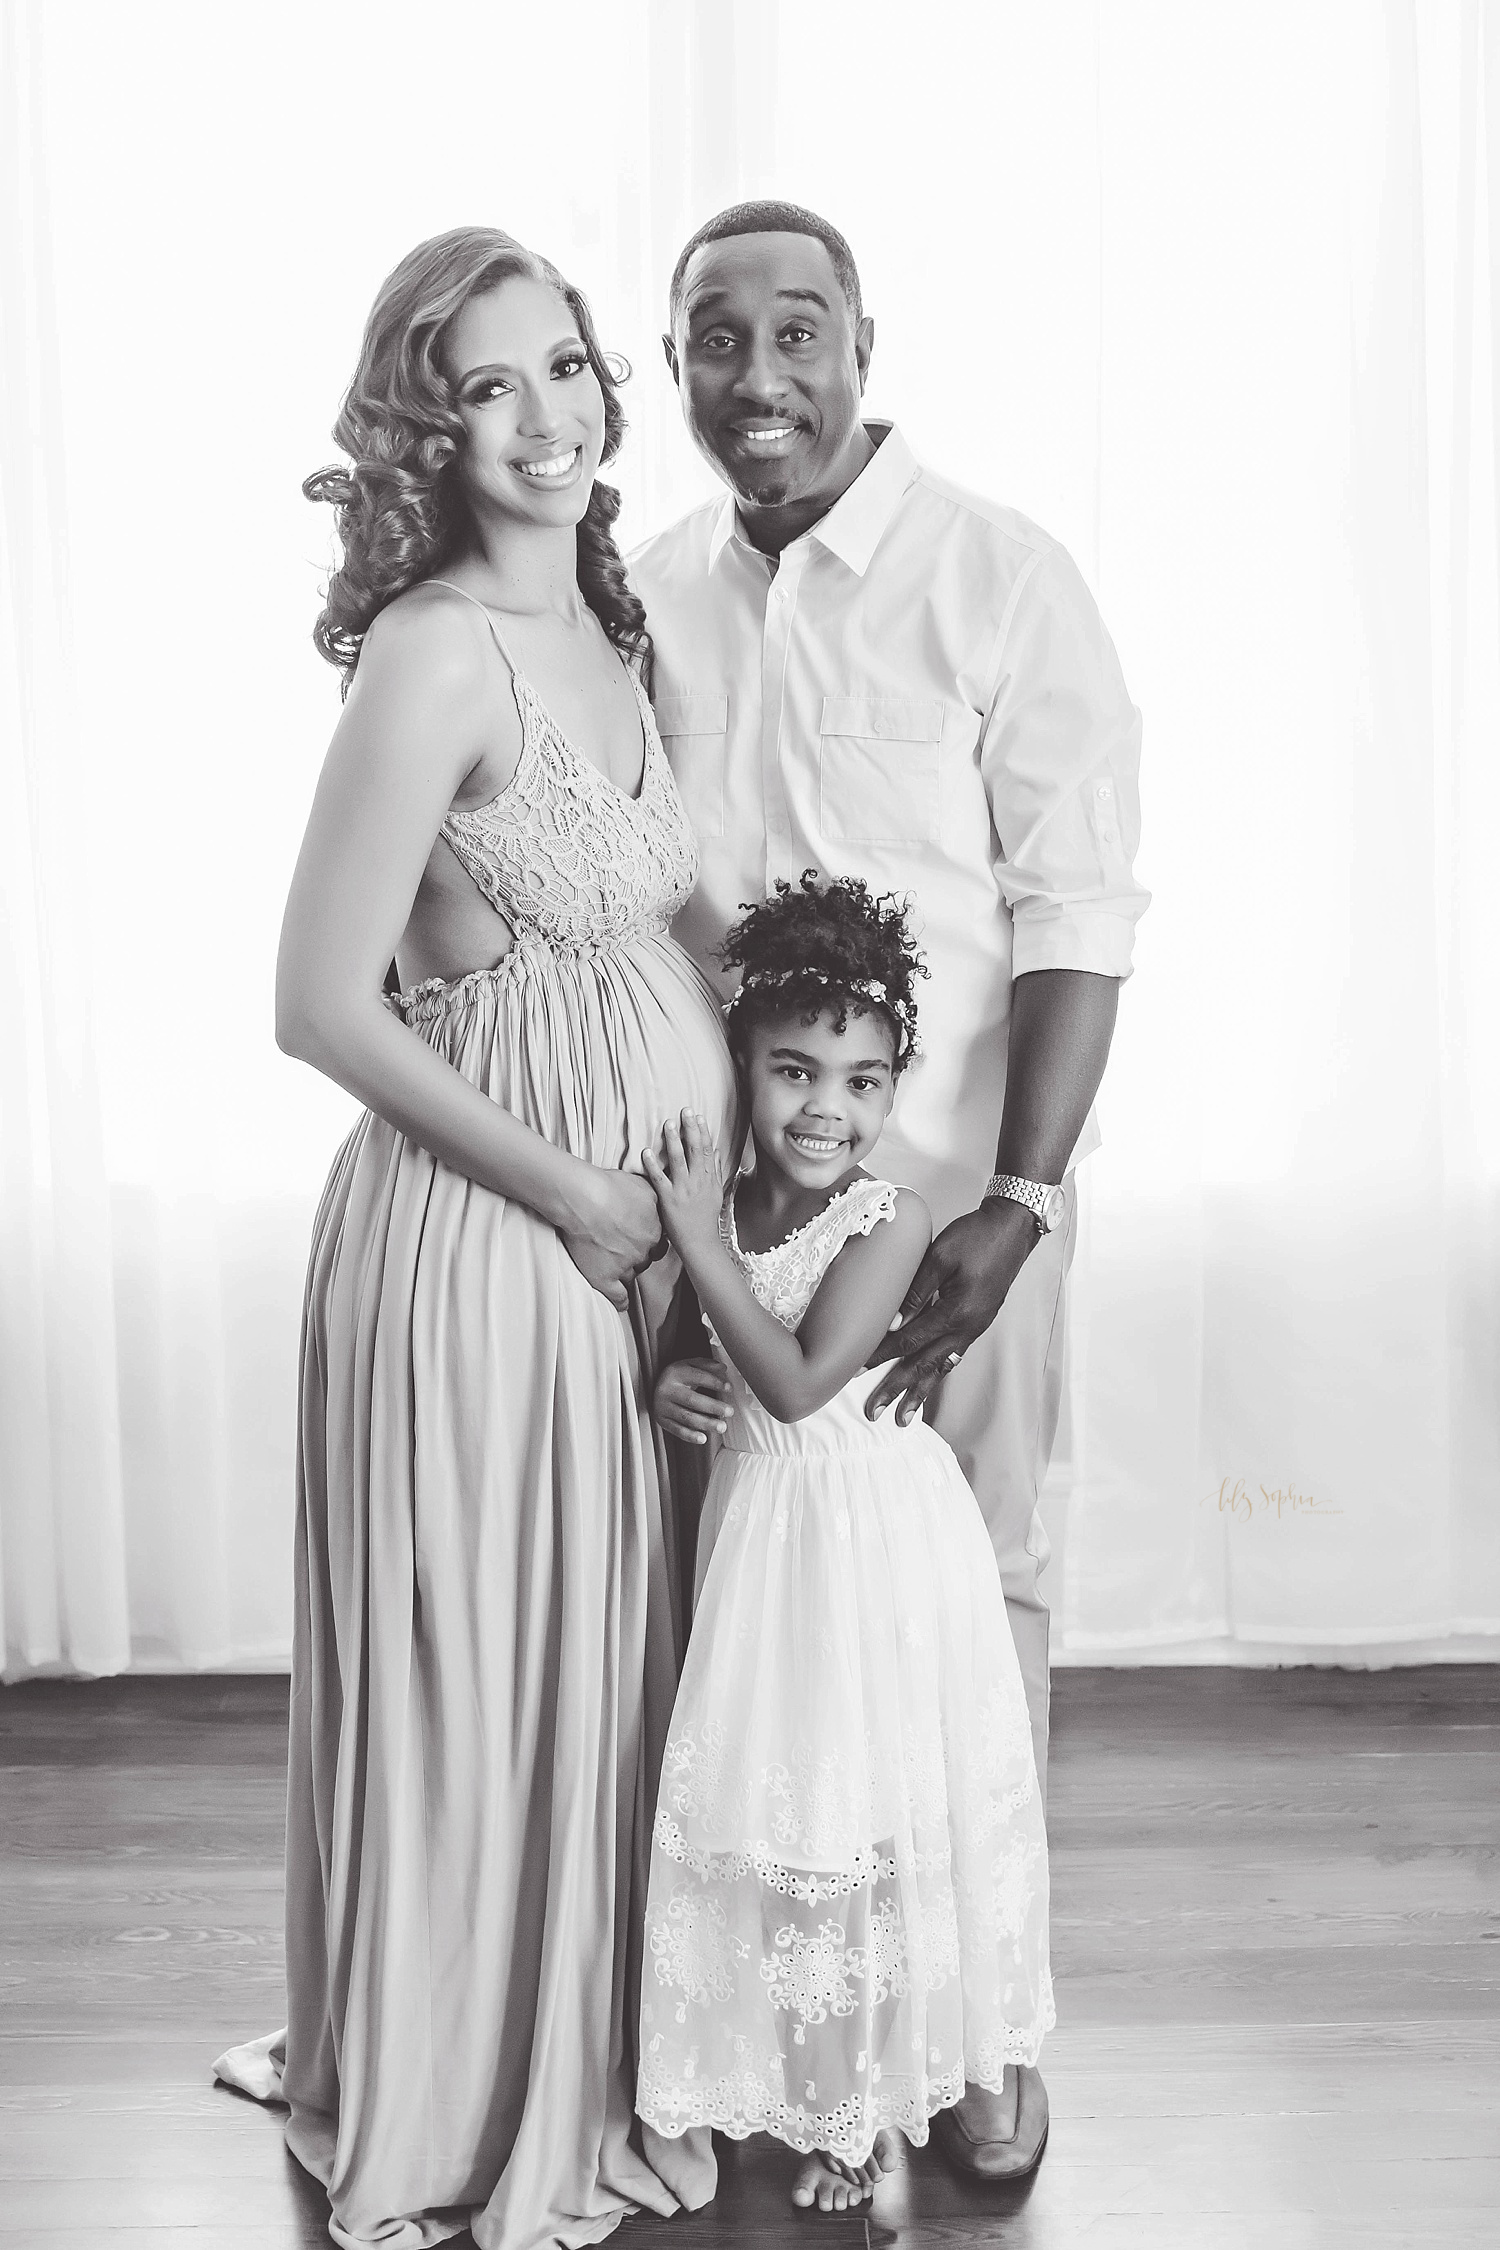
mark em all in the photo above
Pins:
pixel 594 1049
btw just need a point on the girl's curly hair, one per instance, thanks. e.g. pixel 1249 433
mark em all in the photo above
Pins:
pixel 828 943
pixel 399 505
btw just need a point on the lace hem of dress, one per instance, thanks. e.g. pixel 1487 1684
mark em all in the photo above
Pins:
pixel 867 1867
pixel 746 2101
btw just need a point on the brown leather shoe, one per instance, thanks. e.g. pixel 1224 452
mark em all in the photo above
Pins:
pixel 1009 2159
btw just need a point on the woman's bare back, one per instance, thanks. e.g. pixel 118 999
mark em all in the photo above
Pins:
pixel 453 929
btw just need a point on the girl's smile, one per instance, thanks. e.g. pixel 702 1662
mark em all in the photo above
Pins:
pixel 819 1099
pixel 813 1144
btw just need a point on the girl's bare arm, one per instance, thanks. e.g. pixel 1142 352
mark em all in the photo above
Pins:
pixel 791 1375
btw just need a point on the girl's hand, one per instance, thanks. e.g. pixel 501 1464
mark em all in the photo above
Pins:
pixel 692 1400
pixel 689 1184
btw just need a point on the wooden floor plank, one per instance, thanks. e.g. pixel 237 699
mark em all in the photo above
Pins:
pixel 1276 1921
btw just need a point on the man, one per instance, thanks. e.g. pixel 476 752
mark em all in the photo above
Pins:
pixel 861 668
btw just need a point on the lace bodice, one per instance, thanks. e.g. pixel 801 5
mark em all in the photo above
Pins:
pixel 566 856
pixel 785 1278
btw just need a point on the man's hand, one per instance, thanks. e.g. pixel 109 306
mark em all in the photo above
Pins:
pixel 959 1287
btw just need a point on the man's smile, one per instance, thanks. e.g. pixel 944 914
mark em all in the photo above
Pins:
pixel 767 437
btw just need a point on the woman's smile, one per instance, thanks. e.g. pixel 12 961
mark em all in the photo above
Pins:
pixel 556 469
pixel 530 402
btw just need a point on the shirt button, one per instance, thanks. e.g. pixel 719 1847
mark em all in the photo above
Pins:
pixel 1105 789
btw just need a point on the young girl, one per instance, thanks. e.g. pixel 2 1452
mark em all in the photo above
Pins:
pixel 847 1915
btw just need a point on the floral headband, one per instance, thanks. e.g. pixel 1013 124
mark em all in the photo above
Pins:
pixel 871 989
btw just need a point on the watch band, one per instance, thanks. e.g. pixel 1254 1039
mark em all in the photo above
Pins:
pixel 1032 1193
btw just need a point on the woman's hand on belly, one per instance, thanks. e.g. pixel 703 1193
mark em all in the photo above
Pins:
pixel 622 1232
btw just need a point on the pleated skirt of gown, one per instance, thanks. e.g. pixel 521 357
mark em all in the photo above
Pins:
pixel 484 1658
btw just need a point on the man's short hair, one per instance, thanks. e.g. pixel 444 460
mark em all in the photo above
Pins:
pixel 771 218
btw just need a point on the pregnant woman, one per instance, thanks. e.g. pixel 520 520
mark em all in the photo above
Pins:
pixel 483 1663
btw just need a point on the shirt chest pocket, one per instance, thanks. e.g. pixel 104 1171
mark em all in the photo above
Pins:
pixel 694 730
pixel 878 769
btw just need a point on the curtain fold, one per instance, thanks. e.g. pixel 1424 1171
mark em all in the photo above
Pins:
pixel 61 1508
pixel 1285 1390
pixel 1210 295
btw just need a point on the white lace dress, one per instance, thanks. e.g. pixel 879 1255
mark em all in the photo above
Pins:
pixel 847 1914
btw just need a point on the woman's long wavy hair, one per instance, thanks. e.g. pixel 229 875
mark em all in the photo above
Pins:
pixel 399 505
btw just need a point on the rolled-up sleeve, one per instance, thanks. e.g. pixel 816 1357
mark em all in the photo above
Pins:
pixel 1060 755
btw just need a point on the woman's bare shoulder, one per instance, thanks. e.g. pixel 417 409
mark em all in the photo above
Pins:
pixel 429 635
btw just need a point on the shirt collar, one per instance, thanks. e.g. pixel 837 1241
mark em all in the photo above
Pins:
pixel 855 524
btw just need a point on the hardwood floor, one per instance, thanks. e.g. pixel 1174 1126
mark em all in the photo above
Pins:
pixel 1276 1937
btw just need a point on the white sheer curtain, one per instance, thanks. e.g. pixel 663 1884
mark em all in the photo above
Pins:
pixel 1209 298
pixel 1209 292
pixel 1287 1321
pixel 62 1555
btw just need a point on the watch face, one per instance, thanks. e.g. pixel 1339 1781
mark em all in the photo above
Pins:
pixel 1053 1208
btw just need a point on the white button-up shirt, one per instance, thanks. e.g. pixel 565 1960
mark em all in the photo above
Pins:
pixel 921 692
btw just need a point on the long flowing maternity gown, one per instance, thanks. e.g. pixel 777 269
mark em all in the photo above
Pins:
pixel 483 1664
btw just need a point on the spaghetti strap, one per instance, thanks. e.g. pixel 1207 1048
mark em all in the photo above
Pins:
pixel 488 612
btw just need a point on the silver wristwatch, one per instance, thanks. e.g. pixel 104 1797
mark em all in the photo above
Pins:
pixel 1047 1205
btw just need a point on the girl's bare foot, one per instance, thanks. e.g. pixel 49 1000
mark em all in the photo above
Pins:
pixel 884 2157
pixel 822 2180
